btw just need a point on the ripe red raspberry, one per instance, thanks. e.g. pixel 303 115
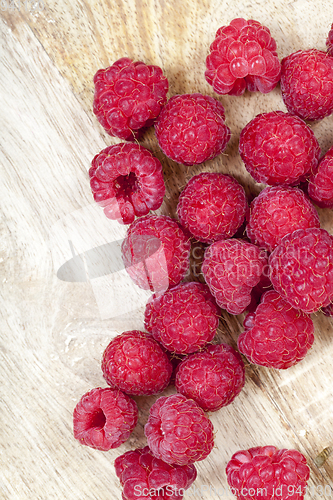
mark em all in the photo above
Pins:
pixel 301 269
pixel 104 418
pixel 243 56
pixel 328 310
pixel 278 211
pixel 231 269
pixel 307 84
pixel 156 252
pixel 191 129
pixel 212 377
pixel 136 364
pixel 129 97
pixel 212 206
pixel 265 472
pixel 178 431
pixel 127 180
pixel 320 188
pixel 276 335
pixel 278 148
pixel 184 318
pixel 143 476
pixel 329 42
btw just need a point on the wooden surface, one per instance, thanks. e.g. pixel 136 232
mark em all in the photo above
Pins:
pixel 53 332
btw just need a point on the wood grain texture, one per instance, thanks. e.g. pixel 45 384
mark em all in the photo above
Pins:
pixel 53 332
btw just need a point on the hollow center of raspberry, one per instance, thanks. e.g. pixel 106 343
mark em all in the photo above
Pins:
pixel 126 184
pixel 98 419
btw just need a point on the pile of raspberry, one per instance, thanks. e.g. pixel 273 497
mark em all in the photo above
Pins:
pixel 269 258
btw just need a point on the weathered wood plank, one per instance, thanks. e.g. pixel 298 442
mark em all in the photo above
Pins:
pixel 53 333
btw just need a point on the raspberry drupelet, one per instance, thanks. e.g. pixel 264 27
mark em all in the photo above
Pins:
pixel 144 476
pixel 136 364
pixel 307 84
pixel 276 335
pixel 191 129
pixel 129 97
pixel 212 206
pixel 278 211
pixel 156 252
pixel 178 431
pixel 243 56
pixel 301 269
pixel 265 472
pixel 320 188
pixel 278 148
pixel 213 377
pixel 231 269
pixel 104 418
pixel 184 318
pixel 127 180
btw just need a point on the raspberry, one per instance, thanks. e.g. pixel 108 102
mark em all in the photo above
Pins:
pixel 307 84
pixel 136 364
pixel 213 377
pixel 328 310
pixel 156 252
pixel 104 418
pixel 191 129
pixel 329 42
pixel 265 472
pixel 212 206
pixel 129 97
pixel 278 148
pixel 127 180
pixel 243 56
pixel 184 318
pixel 320 187
pixel 276 335
pixel 144 476
pixel 276 212
pixel 178 431
pixel 231 269
pixel 301 269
